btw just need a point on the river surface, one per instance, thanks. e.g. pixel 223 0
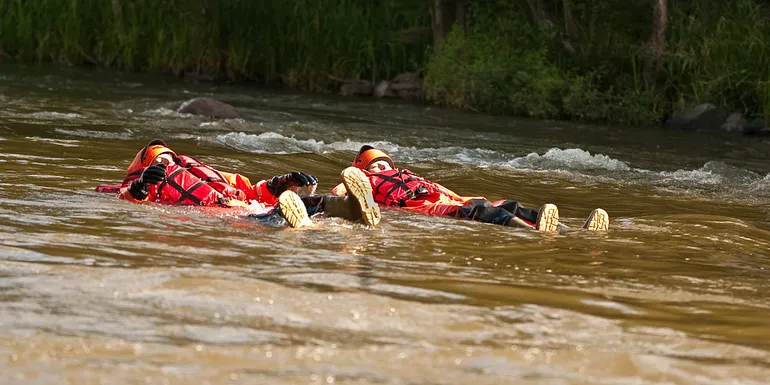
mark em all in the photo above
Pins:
pixel 95 290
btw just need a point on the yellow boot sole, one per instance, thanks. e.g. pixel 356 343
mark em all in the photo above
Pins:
pixel 547 218
pixel 358 187
pixel 599 220
pixel 293 209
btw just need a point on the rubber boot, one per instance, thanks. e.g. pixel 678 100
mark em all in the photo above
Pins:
pixel 293 209
pixel 547 218
pixel 360 192
pixel 599 220
pixel 518 222
pixel 313 204
pixel 341 207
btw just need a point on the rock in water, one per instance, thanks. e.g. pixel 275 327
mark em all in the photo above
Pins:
pixel 757 127
pixel 359 88
pixel 382 90
pixel 734 123
pixel 407 85
pixel 209 107
pixel 705 118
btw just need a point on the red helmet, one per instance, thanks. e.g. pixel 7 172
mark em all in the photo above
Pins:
pixel 368 155
pixel 147 154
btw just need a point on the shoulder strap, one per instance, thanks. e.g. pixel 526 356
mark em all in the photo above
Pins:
pixel 399 181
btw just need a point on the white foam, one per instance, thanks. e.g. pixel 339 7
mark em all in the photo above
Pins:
pixel 223 123
pixel 713 175
pixel 51 115
pixel 58 142
pixel 275 143
pixel 94 134
pixel 569 159
pixel 760 187
pixel 270 143
pixel 162 111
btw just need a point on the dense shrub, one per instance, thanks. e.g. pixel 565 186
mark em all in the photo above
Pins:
pixel 495 67
pixel 583 62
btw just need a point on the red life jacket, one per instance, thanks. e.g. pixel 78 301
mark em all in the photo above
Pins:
pixel 395 187
pixel 190 182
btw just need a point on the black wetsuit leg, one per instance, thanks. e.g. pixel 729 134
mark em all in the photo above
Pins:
pixel 518 210
pixel 313 204
pixel 332 206
pixel 482 210
pixel 274 219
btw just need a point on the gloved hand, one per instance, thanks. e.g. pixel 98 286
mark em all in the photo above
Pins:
pixel 280 183
pixel 151 175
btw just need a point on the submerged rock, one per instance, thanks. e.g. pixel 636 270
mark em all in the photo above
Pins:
pixel 757 127
pixel 382 90
pixel 407 86
pixel 360 88
pixel 209 107
pixel 734 124
pixel 704 117
pixel 351 87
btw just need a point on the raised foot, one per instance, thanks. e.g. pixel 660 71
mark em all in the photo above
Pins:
pixel 547 218
pixel 293 209
pixel 359 189
pixel 599 220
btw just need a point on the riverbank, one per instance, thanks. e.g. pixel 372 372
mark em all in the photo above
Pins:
pixel 540 59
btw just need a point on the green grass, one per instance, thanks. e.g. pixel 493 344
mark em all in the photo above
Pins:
pixel 721 55
pixel 301 39
pixel 716 52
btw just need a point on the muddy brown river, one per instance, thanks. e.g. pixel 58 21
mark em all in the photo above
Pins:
pixel 95 290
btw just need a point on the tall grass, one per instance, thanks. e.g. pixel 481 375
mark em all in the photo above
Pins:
pixel 300 40
pixel 495 68
pixel 716 52
pixel 721 54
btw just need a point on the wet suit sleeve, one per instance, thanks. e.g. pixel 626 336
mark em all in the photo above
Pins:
pixel 257 192
pixel 263 194
pixel 339 190
pixel 124 194
pixel 453 194
pixel 240 182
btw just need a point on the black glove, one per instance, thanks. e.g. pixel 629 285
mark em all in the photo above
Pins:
pixel 151 175
pixel 280 183
pixel 154 174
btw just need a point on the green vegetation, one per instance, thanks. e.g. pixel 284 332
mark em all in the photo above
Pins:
pixel 297 41
pixel 593 66
pixel 496 67
pixel 568 59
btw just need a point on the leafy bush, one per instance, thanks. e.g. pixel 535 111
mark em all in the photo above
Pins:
pixel 720 53
pixel 495 72
pixel 263 40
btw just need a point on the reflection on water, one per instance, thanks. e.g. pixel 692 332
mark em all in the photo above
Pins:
pixel 97 290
